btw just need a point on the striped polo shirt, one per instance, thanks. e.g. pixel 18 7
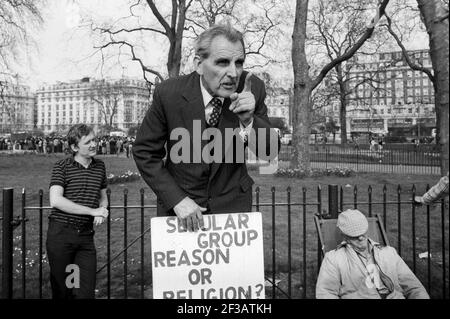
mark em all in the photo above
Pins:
pixel 81 185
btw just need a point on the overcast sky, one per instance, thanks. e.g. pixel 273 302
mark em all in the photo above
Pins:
pixel 63 48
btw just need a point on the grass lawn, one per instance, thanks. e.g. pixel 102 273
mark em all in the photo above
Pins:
pixel 32 172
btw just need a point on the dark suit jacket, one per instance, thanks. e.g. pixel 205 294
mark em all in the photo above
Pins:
pixel 221 187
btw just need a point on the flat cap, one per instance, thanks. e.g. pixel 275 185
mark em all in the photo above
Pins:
pixel 352 223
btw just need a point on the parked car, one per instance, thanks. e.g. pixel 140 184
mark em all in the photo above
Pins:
pixel 286 139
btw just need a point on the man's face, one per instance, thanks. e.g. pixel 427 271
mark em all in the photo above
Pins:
pixel 359 243
pixel 223 67
pixel 87 146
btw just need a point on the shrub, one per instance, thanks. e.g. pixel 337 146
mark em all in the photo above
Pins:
pixel 300 173
pixel 128 176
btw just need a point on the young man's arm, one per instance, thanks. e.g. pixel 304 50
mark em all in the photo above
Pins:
pixel 57 200
pixel 103 198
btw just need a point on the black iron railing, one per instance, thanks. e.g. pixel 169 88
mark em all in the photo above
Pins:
pixel 291 255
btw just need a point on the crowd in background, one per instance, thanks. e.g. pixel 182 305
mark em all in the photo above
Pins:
pixel 107 145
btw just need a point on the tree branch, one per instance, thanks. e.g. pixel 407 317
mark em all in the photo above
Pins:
pixel 103 30
pixel 411 64
pixel 134 58
pixel 160 18
pixel 349 53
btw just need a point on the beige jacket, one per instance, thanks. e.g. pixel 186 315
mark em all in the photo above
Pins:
pixel 343 276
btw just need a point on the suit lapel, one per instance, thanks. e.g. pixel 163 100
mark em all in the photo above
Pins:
pixel 194 109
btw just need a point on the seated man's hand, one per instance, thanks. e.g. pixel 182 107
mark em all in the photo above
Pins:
pixel 418 200
pixel 189 214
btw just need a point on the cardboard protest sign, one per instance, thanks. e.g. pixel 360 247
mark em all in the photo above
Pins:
pixel 225 260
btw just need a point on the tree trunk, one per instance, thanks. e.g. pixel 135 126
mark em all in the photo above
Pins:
pixel 302 90
pixel 343 104
pixel 174 58
pixel 343 121
pixel 176 41
pixel 433 14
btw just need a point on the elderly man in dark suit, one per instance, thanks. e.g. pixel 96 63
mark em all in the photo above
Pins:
pixel 218 96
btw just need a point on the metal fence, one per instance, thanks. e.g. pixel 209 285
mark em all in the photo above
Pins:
pixel 390 159
pixel 292 255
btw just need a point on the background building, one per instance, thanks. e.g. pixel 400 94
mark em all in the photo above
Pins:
pixel 16 108
pixel 114 103
pixel 279 104
pixel 387 97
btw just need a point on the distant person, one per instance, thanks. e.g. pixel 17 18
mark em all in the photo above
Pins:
pixel 373 145
pixel 130 148
pixel 380 144
pixel 360 268
pixel 45 145
pixel 434 194
pixel 127 149
pixel 119 146
pixel 103 146
pixel 78 200
pixel 108 146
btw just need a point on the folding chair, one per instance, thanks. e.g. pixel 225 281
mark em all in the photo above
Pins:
pixel 330 236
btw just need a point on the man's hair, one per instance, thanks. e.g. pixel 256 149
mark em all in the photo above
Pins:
pixel 203 42
pixel 76 132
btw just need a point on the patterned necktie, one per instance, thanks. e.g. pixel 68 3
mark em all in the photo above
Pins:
pixel 214 117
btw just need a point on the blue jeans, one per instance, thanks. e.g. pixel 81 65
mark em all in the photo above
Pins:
pixel 68 244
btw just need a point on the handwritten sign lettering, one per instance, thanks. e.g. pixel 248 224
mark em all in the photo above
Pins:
pixel 224 260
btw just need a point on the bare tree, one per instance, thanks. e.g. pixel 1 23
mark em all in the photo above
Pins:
pixel 12 105
pixel 15 19
pixel 434 14
pixel 107 95
pixel 304 84
pixel 184 19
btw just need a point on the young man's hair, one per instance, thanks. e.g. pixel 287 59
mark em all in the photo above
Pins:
pixel 75 134
pixel 203 42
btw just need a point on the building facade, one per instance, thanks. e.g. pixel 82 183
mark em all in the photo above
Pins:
pixel 119 103
pixel 16 108
pixel 387 97
pixel 279 104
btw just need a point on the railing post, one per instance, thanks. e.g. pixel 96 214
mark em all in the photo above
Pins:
pixel 333 201
pixel 7 243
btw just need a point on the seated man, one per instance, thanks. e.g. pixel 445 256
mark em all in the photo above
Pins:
pixel 360 268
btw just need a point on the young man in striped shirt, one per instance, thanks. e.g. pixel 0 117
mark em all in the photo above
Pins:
pixel 78 200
